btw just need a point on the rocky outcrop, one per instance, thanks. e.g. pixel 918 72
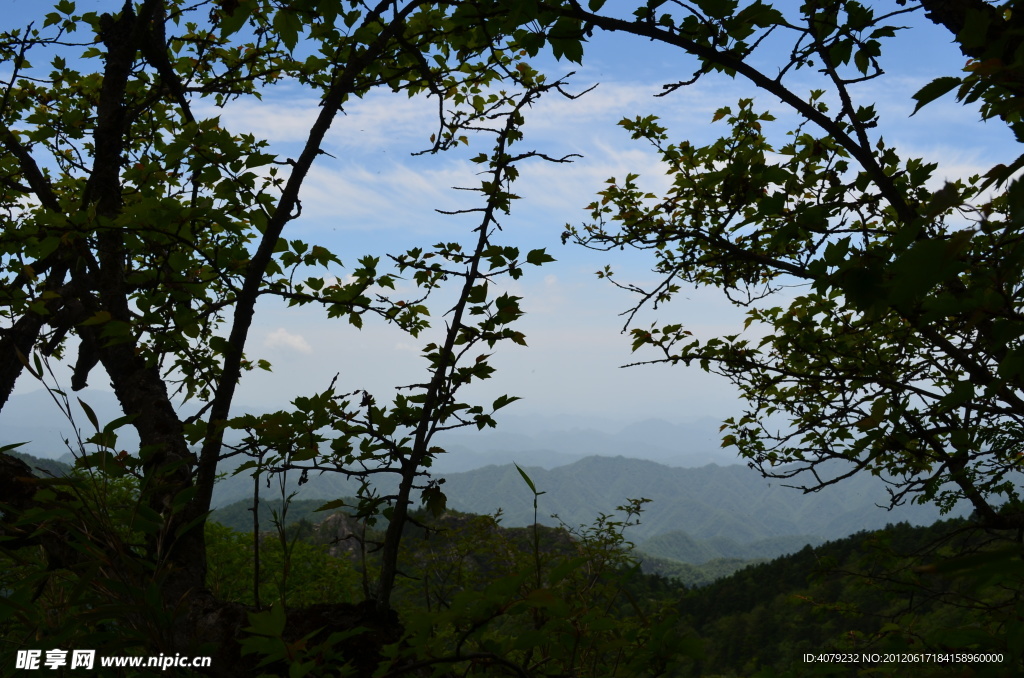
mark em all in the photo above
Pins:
pixel 342 533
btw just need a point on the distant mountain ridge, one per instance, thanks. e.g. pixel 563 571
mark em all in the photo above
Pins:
pixel 43 467
pixel 547 442
pixel 697 516
pixel 529 442
pixel 732 508
pixel 732 502
pixel 713 511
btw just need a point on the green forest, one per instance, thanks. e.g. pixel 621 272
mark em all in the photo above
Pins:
pixel 882 338
pixel 900 591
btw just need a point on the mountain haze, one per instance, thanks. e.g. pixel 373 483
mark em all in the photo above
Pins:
pixel 700 511
pixel 713 501
pixel 546 441
pixel 696 514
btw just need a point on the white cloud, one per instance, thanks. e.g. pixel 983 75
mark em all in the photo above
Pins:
pixel 387 196
pixel 371 197
pixel 282 338
pixel 383 122
pixel 280 117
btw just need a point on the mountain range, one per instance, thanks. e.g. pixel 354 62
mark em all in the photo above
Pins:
pixel 695 514
pixel 545 441
pixel 699 511
pixel 709 502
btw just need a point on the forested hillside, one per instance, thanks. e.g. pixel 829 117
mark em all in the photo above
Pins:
pixel 695 515
pixel 883 592
pixel 805 219
pixel 697 565
pixel 48 467
pixel 873 593
pixel 682 547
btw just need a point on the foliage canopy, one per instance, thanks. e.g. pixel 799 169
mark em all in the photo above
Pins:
pixel 883 306
pixel 140 233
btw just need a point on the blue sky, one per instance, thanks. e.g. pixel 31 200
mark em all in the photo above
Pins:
pixel 372 197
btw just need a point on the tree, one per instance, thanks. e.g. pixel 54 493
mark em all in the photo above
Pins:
pixel 139 236
pixel 885 311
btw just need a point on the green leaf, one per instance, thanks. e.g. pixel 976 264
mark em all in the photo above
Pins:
pixel 270 623
pixel 331 505
pixel 976 22
pixel 434 500
pixel 245 467
pixel 538 257
pixel 717 9
pixel 90 414
pixel 119 422
pixel 564 569
pixel 478 294
pixel 234 18
pixel 934 89
pixel 566 40
pixel 529 483
pixel 504 400
pixel 862 60
pixel 97 318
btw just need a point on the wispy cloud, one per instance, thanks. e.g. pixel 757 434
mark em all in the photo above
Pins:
pixel 282 338
pixel 354 196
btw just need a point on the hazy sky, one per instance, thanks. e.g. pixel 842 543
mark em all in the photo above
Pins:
pixel 372 197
